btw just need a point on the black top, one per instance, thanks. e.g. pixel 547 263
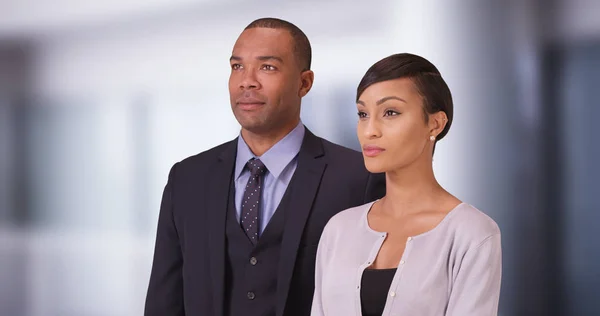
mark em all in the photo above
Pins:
pixel 374 288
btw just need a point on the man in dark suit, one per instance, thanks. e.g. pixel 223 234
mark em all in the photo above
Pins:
pixel 239 224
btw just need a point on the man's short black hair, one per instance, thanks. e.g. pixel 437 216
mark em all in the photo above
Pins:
pixel 302 48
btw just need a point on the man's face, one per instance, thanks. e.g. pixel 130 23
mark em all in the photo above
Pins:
pixel 266 81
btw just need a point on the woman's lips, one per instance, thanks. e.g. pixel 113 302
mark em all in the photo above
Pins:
pixel 372 151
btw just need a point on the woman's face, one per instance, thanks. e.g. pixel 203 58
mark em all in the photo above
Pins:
pixel 391 126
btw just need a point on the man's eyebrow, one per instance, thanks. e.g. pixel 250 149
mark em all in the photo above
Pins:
pixel 265 58
pixel 236 58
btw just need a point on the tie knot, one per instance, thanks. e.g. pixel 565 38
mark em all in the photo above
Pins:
pixel 257 167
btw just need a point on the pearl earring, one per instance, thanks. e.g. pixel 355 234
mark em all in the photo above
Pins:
pixel 431 138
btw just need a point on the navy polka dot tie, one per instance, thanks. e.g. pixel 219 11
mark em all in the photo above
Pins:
pixel 251 199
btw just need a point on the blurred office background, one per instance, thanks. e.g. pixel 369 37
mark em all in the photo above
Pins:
pixel 99 99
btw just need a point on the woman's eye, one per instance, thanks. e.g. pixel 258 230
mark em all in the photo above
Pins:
pixel 362 114
pixel 390 113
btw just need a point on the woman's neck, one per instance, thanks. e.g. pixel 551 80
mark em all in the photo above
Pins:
pixel 411 190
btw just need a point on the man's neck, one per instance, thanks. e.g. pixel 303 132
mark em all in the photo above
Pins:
pixel 260 143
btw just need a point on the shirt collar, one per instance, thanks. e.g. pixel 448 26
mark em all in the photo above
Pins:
pixel 277 157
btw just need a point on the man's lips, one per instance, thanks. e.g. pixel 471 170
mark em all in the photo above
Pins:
pixel 249 104
pixel 372 151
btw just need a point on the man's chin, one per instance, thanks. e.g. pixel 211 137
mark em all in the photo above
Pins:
pixel 261 125
pixel 256 126
pixel 250 121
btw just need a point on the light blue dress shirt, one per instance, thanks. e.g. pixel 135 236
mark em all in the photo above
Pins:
pixel 281 161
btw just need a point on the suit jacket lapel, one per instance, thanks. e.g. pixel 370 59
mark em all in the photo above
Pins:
pixel 216 210
pixel 305 185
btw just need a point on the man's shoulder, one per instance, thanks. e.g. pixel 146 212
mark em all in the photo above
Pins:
pixel 204 158
pixel 335 151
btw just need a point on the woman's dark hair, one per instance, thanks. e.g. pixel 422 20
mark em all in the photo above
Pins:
pixel 426 77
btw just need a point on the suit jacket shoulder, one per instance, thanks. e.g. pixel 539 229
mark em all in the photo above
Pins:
pixel 348 166
pixel 335 152
pixel 202 162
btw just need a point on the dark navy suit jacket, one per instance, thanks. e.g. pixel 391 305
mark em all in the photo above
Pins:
pixel 188 271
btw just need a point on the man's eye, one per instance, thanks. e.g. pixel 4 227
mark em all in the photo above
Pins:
pixel 236 66
pixel 268 67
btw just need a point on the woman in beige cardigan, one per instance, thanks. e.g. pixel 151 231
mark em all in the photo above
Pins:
pixel 419 250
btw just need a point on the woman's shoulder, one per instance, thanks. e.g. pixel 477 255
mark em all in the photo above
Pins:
pixel 345 226
pixel 472 223
pixel 348 217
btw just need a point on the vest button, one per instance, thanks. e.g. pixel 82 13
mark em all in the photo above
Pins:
pixel 253 261
pixel 251 295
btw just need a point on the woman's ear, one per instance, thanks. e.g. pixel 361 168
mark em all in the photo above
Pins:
pixel 437 123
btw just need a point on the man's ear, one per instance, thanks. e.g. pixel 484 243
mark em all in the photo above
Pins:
pixel 306 78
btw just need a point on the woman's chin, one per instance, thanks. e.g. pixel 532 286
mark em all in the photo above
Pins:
pixel 376 167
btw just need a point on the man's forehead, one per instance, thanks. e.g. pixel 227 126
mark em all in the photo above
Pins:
pixel 261 41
